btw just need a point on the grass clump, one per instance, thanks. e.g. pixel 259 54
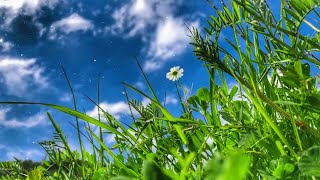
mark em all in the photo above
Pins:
pixel 270 115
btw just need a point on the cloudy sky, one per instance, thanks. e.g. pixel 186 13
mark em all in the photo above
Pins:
pixel 90 39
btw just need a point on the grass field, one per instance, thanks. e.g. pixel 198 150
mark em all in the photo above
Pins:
pixel 259 118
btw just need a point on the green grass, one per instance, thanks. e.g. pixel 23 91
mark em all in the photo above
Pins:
pixel 272 118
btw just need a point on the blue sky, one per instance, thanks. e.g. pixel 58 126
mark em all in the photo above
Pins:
pixel 89 38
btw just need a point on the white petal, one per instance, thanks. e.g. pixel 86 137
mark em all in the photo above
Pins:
pixel 168 75
pixel 176 68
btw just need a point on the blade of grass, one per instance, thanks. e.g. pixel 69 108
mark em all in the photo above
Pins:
pixel 75 108
pixel 270 122
pixel 60 133
pixel 164 112
pixel 115 158
pixel 100 129
pixel 112 119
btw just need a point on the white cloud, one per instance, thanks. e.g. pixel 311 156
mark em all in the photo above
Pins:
pixel 140 85
pixel 116 109
pixel 72 23
pixel 136 16
pixel 133 17
pixel 65 98
pixel 3 113
pixel 14 7
pixel 152 65
pixel 25 154
pixel 18 75
pixel 169 40
pixel 4 45
pixel 170 99
pixel 139 17
pixel 21 153
pixel 32 121
pixel 145 101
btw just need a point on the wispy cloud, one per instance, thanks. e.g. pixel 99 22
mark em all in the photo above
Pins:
pixel 18 75
pixel 25 154
pixel 65 97
pixel 132 18
pixel 70 24
pixel 22 153
pixel 140 85
pixel 14 7
pixel 116 109
pixel 145 101
pixel 164 34
pixel 170 40
pixel 32 121
pixel 170 99
pixel 4 45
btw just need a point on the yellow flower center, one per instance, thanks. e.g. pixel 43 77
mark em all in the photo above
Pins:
pixel 174 73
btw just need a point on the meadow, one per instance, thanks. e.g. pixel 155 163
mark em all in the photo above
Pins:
pixel 258 118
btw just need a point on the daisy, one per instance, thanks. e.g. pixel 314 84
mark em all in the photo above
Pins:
pixel 175 73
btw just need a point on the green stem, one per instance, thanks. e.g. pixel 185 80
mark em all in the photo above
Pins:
pixel 75 108
pixel 100 129
pixel 182 104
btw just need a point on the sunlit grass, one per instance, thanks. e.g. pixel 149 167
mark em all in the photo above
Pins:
pixel 270 132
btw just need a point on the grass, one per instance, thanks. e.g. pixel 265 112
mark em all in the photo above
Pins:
pixel 271 115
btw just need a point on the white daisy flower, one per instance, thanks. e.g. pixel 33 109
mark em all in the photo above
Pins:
pixel 175 73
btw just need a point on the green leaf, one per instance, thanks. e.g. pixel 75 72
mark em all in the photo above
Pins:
pixel 314 100
pixel 298 68
pixel 234 165
pixel 203 94
pixel 120 178
pixel 151 156
pixel 152 172
pixel 289 168
pixel 227 116
pixel 233 92
pixel 178 128
pixel 100 174
pixel 117 161
pixel 196 141
pixel 284 168
pixel 309 163
pixel 35 174
pixel 193 101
